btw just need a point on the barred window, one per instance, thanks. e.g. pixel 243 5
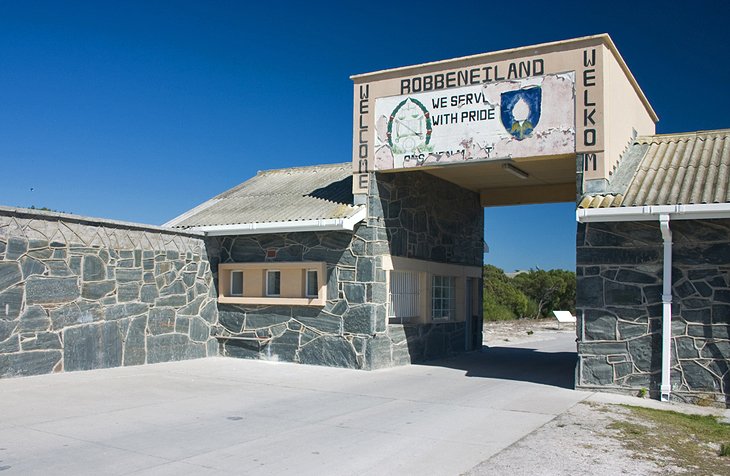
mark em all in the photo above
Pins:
pixel 404 295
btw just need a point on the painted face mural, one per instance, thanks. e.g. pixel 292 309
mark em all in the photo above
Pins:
pixel 520 111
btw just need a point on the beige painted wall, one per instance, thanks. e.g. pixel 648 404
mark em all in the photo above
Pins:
pixel 293 282
pixel 625 113
pixel 427 269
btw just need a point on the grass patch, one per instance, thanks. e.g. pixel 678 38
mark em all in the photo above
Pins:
pixel 725 449
pixel 699 444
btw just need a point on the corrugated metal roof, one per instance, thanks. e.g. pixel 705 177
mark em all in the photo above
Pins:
pixel 601 201
pixel 673 169
pixel 293 194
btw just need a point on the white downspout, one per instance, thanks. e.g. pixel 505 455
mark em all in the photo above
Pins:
pixel 666 387
pixel 645 213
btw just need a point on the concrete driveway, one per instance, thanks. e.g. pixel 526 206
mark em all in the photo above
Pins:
pixel 229 416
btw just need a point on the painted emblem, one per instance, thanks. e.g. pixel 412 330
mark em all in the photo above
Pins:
pixel 409 128
pixel 520 111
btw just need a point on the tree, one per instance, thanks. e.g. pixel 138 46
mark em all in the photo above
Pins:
pixel 549 290
pixel 533 294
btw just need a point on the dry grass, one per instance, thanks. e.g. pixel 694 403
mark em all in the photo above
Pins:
pixel 693 444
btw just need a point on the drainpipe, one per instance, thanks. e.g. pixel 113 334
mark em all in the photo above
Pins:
pixel 666 387
pixel 650 213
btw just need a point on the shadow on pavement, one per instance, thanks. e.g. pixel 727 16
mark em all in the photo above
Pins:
pixel 524 364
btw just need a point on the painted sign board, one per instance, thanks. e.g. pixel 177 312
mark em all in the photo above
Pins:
pixel 506 119
pixel 536 101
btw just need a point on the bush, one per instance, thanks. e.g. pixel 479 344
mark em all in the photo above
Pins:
pixel 502 300
pixel 497 312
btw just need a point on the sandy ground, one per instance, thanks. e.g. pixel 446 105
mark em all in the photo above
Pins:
pixel 576 443
pixel 508 333
pixel 579 441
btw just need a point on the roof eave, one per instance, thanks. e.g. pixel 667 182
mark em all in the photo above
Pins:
pixel 706 211
pixel 323 224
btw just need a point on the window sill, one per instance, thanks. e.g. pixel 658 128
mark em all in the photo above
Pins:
pixel 272 301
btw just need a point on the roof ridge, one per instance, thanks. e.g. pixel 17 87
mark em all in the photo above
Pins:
pixel 303 168
pixel 283 194
pixel 679 135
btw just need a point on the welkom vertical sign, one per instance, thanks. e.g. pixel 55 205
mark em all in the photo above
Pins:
pixel 549 100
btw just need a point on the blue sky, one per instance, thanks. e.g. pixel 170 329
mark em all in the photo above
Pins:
pixel 139 111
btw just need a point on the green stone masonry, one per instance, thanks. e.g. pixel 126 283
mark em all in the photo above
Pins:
pixel 619 301
pixel 79 293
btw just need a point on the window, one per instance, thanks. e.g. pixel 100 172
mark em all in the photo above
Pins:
pixel 311 286
pixel 404 296
pixel 236 283
pixel 421 292
pixel 273 282
pixel 443 297
pixel 302 283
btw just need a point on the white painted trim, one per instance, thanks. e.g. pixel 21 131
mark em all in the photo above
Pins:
pixel 652 212
pixel 324 224
pixel 189 213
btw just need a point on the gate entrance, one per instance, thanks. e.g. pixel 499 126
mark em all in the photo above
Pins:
pixel 434 144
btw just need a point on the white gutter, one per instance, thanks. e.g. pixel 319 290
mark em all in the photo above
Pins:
pixel 650 212
pixel 323 224
pixel 662 213
pixel 666 387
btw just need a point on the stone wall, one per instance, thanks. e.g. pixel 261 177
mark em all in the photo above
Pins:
pixel 414 215
pixel 334 335
pixel 79 294
pixel 619 307
pixel 428 218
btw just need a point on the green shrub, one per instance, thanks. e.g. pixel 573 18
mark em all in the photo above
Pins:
pixel 494 311
pixel 725 449
pixel 502 300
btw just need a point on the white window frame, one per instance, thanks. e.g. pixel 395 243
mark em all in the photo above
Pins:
pixel 307 282
pixel 233 293
pixel 268 291
pixel 451 299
